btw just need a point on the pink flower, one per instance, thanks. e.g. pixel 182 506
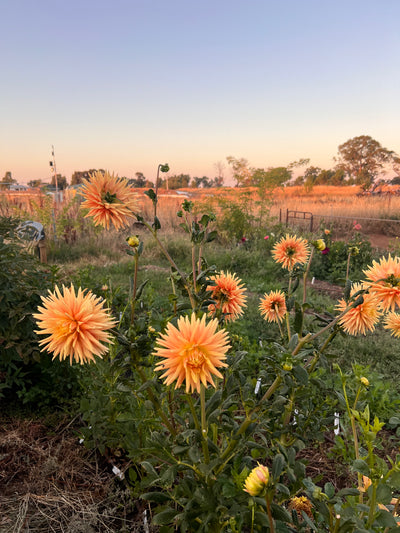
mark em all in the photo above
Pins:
pixel 243 239
pixel 325 251
pixel 356 226
pixel 266 237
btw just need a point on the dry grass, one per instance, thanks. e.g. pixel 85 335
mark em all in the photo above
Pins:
pixel 51 483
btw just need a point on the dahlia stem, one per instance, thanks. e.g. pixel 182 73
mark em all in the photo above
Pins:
pixel 348 266
pixel 133 301
pixel 306 276
pixel 204 429
pixel 172 263
pixel 156 403
pixel 194 268
pixel 271 520
pixel 193 411
pixel 272 389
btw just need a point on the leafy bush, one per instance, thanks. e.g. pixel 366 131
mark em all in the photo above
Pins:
pixel 24 371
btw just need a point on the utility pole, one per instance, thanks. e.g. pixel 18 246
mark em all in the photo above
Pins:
pixel 54 168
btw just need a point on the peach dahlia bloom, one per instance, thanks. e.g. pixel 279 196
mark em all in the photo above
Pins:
pixel 75 324
pixel 384 281
pixel 109 200
pixel 273 306
pixel 192 352
pixel 228 292
pixel 392 323
pixel 364 316
pixel 291 250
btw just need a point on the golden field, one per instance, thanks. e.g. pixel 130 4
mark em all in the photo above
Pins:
pixel 336 206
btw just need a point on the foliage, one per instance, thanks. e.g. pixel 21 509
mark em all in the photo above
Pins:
pixel 24 371
pixel 362 158
pixel 332 265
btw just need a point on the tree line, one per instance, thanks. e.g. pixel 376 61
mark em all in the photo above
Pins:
pixel 359 161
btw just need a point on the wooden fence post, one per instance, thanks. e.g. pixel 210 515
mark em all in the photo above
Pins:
pixel 42 251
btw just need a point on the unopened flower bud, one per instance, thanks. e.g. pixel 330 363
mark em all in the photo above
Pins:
pixel 364 381
pixel 257 480
pixel 133 241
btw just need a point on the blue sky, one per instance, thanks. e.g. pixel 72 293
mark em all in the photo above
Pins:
pixel 126 85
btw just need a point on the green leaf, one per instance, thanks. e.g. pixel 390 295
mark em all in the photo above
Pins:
pixel 277 466
pixel 361 466
pixel 165 517
pixel 383 494
pixel 152 195
pixel 385 519
pixel 156 224
pixel 211 236
pixel 157 497
pixel 300 374
pixel 347 492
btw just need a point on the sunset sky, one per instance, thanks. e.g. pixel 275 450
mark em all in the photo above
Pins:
pixel 127 84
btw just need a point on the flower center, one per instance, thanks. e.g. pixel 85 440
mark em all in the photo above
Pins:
pixel 194 358
pixel 393 280
pixel 109 198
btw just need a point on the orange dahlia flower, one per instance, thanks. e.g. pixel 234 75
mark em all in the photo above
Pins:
pixel 291 250
pixel 228 292
pixel 273 306
pixel 192 352
pixel 364 316
pixel 384 281
pixel 75 324
pixel 109 200
pixel 392 323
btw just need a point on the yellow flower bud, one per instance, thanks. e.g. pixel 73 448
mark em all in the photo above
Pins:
pixel 257 480
pixel 320 244
pixel 287 366
pixel 364 381
pixel 133 241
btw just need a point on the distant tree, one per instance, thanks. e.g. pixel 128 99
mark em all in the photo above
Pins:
pixel 299 181
pixel 242 173
pixel 140 181
pixel 7 181
pixel 363 159
pixel 219 178
pixel 35 183
pixel 61 182
pixel 80 175
pixel 176 181
pixel 271 177
pixel 395 180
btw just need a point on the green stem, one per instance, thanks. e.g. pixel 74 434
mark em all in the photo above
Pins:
pixel 156 403
pixel 270 391
pixel 271 520
pixel 348 266
pixel 172 263
pixel 287 312
pixel 194 268
pixel 193 411
pixel 305 276
pixel 372 505
pixel 204 429
pixel 135 273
